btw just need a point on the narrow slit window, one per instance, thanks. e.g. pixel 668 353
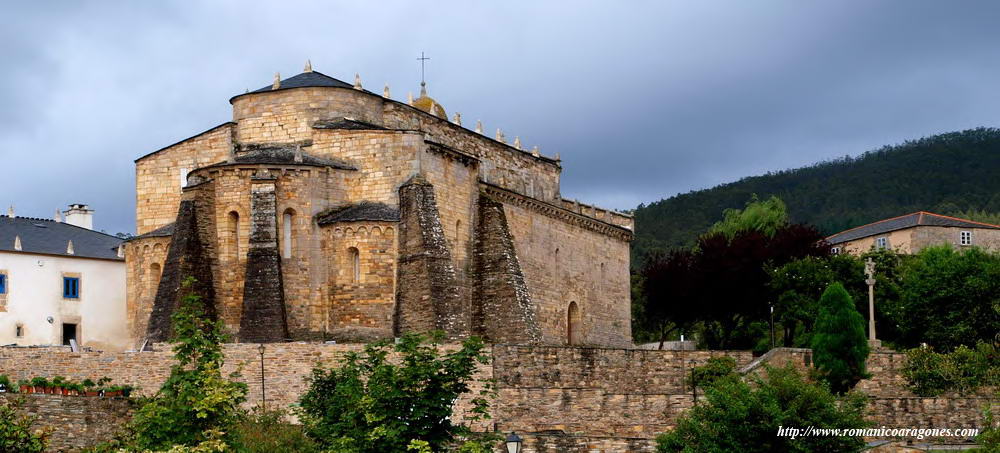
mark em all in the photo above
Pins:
pixel 355 258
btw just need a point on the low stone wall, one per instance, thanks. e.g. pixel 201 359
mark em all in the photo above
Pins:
pixel 75 422
pixel 561 399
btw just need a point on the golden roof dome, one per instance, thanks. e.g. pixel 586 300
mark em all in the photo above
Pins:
pixel 428 104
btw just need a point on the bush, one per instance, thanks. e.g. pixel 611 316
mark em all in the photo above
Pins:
pixel 267 431
pixel 964 370
pixel 840 348
pixel 745 416
pixel 15 430
pixel 373 404
pixel 713 370
pixel 196 405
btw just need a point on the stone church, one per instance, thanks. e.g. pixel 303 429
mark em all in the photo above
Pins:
pixel 324 211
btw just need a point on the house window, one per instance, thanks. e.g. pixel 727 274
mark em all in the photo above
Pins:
pixel 882 242
pixel 3 283
pixel 835 250
pixel 965 238
pixel 71 287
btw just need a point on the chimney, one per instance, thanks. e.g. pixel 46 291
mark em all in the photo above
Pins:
pixel 80 215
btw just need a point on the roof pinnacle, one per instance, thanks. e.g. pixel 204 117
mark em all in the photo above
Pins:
pixel 357 81
pixel 58 216
pixel 17 243
pixel 385 91
pixel 10 211
pixel 479 127
pixel 309 66
pixel 277 81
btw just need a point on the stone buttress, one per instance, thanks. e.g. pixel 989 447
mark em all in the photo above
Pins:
pixel 263 319
pixel 427 293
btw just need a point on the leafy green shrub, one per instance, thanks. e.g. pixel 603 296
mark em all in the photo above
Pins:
pixel 267 431
pixel 196 401
pixel 713 370
pixel 840 348
pixel 964 370
pixel 745 416
pixel 15 430
pixel 372 403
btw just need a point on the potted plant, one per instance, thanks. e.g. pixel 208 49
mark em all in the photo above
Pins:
pixel 127 390
pixel 89 387
pixel 25 386
pixel 39 384
pixel 5 385
pixel 113 391
pixel 58 384
pixel 102 386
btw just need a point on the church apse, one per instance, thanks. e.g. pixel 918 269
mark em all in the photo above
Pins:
pixel 334 213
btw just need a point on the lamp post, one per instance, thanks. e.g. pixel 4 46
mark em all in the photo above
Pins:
pixel 263 395
pixel 870 280
pixel 772 326
pixel 514 443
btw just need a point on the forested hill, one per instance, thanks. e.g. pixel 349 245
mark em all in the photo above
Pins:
pixel 945 173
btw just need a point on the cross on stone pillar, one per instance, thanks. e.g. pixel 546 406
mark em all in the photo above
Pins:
pixel 870 280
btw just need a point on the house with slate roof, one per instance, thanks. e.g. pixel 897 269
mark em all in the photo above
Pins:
pixel 913 232
pixel 61 282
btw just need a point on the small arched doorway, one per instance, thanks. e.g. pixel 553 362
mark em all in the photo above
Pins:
pixel 572 324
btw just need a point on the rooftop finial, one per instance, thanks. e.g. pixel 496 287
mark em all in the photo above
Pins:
pixel 385 91
pixel 309 66
pixel 121 250
pixel 357 81
pixel 500 137
pixel 69 248
pixel 10 211
pixel 422 60
pixel 479 126
pixel 277 81
pixel 535 152
pixel 517 142
pixel 457 119
pixel 409 97
pixel 58 216
pixel 17 243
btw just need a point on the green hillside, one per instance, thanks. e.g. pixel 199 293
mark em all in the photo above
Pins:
pixel 947 173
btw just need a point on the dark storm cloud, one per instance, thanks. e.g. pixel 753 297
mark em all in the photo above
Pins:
pixel 642 99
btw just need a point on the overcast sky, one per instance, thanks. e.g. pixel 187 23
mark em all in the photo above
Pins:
pixel 643 100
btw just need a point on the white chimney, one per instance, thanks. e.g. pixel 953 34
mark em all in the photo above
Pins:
pixel 80 215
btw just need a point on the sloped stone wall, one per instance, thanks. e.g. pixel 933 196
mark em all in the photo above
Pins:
pixel 75 422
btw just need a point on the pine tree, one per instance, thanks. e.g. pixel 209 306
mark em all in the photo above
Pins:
pixel 839 344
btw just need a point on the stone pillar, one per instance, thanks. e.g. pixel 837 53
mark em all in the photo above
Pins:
pixel 427 295
pixel 188 256
pixel 503 311
pixel 263 319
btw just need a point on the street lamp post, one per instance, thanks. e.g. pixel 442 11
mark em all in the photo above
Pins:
pixel 514 443
pixel 263 395
pixel 870 280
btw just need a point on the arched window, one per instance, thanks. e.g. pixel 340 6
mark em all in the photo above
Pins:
pixel 355 259
pixel 233 233
pixel 286 229
pixel 154 278
pixel 572 324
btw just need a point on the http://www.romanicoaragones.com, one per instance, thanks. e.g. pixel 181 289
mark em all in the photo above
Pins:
pixel 918 433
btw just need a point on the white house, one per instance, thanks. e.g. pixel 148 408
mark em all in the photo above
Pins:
pixel 60 280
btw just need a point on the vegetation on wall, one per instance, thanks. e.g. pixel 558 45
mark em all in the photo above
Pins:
pixel 745 415
pixel 16 431
pixel 964 370
pixel 373 403
pixel 950 173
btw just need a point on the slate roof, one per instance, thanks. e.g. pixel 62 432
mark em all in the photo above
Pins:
pixel 921 218
pixel 347 123
pixel 283 156
pixel 365 210
pixel 51 238
pixel 305 79
pixel 163 231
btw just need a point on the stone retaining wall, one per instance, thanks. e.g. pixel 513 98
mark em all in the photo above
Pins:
pixel 75 422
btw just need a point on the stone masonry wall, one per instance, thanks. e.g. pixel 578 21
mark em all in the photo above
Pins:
pixel 144 261
pixel 565 260
pixel 158 178
pixel 74 422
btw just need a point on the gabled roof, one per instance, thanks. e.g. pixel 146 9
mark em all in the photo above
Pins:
pixel 921 218
pixel 306 79
pixel 52 238
pixel 363 211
